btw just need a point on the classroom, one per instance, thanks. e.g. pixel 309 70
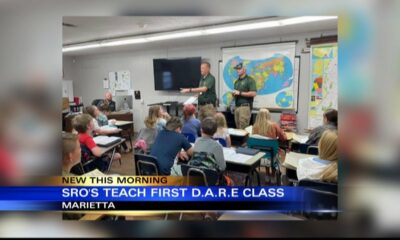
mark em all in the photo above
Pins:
pixel 253 100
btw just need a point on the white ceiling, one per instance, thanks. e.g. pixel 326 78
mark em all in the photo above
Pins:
pixel 99 28
pixel 95 28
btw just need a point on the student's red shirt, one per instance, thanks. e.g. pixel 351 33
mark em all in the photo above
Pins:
pixel 87 140
pixel 8 168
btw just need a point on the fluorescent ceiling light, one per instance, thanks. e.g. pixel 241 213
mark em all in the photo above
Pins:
pixel 297 20
pixel 199 32
pixel 80 47
pixel 175 35
pixel 242 27
pixel 123 42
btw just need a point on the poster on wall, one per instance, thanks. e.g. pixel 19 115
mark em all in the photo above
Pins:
pixel 324 82
pixel 270 65
pixel 119 81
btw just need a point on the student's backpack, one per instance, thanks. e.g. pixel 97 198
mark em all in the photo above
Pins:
pixel 204 160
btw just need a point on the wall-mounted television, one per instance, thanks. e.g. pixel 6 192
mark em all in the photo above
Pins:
pixel 173 74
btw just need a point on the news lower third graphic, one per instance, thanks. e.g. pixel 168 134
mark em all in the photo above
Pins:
pixel 78 193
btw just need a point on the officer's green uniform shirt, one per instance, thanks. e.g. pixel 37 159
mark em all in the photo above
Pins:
pixel 209 96
pixel 245 84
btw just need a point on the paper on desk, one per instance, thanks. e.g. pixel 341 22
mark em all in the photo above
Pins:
pixel 300 138
pixel 260 136
pixel 228 151
pixel 191 100
pixel 236 132
pixel 292 158
pixel 104 140
pixel 249 129
pixel 238 157
pixel 107 127
pixel 94 173
pixel 231 155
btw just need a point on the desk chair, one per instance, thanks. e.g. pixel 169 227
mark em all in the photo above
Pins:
pixel 319 195
pixel 299 147
pixel 90 162
pixel 221 141
pixel 315 200
pixel 270 147
pixel 207 177
pixel 97 102
pixel 190 137
pixel 313 150
pixel 146 165
pixel 319 185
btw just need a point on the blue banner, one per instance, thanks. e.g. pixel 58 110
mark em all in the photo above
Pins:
pixel 156 198
pixel 152 193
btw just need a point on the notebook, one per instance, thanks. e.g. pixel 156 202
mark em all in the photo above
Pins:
pixel 247 151
pixel 105 141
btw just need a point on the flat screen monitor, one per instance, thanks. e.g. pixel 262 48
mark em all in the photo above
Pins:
pixel 173 74
pixel 123 102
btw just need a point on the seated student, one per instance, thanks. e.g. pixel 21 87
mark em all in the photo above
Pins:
pixel 101 116
pixel 265 127
pixel 71 152
pixel 157 113
pixel 207 144
pixel 330 122
pixel 83 124
pixel 168 144
pixel 111 130
pixel 95 113
pixel 190 123
pixel 148 134
pixel 324 167
pixel 222 130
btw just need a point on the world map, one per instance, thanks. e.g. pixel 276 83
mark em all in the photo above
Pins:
pixel 272 75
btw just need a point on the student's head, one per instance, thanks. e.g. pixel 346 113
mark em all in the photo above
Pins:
pixel 92 111
pixel 174 124
pixel 221 120
pixel 209 126
pixel 71 150
pixel 205 68
pixel 262 125
pixel 331 117
pixel 328 145
pixel 264 114
pixel 83 123
pixel 207 111
pixel 108 96
pixel 328 150
pixel 151 119
pixel 188 111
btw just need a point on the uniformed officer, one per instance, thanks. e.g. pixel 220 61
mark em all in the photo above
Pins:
pixel 206 87
pixel 244 93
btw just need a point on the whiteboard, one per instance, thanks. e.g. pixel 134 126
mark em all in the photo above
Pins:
pixel 272 66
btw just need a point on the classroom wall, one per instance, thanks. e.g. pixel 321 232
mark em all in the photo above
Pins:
pixel 88 72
